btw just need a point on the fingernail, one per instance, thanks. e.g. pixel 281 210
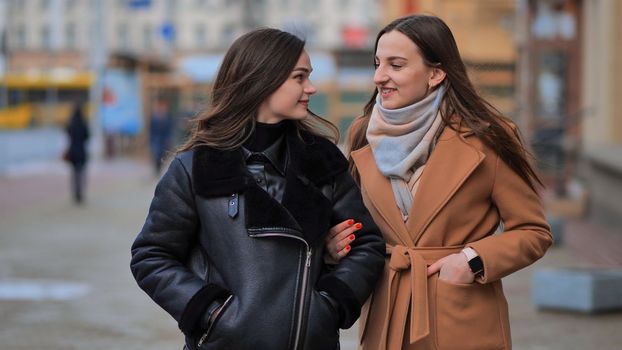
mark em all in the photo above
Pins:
pixel 351 237
pixel 358 226
pixel 350 222
pixel 347 248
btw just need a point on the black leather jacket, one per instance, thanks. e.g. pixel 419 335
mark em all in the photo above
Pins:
pixel 213 237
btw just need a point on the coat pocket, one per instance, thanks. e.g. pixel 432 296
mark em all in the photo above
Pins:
pixel 468 317
pixel 206 335
pixel 322 324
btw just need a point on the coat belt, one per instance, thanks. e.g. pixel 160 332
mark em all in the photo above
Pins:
pixel 408 266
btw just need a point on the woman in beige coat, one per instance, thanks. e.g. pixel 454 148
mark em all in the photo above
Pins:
pixel 439 169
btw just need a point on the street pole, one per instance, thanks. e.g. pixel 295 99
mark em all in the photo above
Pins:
pixel 97 58
pixel 56 20
pixel 4 54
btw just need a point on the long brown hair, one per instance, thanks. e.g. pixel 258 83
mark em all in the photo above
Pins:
pixel 438 48
pixel 255 66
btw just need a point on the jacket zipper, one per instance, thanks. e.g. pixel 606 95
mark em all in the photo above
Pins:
pixel 211 325
pixel 305 278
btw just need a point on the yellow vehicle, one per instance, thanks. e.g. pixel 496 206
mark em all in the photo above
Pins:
pixel 36 99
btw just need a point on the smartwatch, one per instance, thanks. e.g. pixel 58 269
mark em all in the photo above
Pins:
pixel 475 262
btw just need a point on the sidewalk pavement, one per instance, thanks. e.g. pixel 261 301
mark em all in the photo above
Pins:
pixel 83 252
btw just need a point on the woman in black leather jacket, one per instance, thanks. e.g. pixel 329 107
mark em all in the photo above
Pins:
pixel 233 243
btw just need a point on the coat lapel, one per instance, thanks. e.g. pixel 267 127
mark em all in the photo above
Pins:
pixel 450 164
pixel 379 191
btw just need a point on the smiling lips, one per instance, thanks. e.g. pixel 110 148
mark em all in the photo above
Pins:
pixel 304 102
pixel 386 92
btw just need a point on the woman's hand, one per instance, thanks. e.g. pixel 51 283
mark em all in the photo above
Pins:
pixel 338 240
pixel 453 268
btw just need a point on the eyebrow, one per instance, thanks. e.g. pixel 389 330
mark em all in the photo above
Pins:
pixel 391 58
pixel 303 69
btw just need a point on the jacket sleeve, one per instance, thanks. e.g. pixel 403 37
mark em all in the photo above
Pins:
pixel 162 246
pixel 352 280
pixel 526 235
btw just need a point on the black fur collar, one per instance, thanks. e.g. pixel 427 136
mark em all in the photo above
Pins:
pixel 313 161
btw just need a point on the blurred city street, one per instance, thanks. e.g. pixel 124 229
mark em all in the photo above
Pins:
pixel 69 268
pixel 121 80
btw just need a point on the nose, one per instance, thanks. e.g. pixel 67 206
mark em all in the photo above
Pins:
pixel 310 88
pixel 380 77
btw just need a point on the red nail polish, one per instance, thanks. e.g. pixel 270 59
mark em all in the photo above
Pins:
pixel 347 248
pixel 350 222
pixel 358 226
pixel 351 237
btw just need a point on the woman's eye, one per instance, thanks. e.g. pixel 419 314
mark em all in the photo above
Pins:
pixel 396 66
pixel 376 65
pixel 299 77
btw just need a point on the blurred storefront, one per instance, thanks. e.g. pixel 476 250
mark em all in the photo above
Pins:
pixel 549 86
pixel 569 69
pixel 601 103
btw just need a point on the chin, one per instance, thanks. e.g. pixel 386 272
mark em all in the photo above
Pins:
pixel 299 116
pixel 392 104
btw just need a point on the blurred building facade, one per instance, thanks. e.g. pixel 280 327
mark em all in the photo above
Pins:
pixel 163 27
pixel 52 45
pixel 551 65
pixel 484 31
pixel 570 56
pixel 601 103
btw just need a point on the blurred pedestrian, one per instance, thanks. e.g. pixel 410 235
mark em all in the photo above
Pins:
pixel 440 169
pixel 76 154
pixel 233 243
pixel 160 132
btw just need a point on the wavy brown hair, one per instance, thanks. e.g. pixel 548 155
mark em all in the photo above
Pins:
pixel 438 48
pixel 255 66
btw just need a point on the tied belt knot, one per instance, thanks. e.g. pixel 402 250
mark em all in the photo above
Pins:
pixel 409 266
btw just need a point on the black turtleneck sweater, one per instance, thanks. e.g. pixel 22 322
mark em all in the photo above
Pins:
pixel 266 157
pixel 265 135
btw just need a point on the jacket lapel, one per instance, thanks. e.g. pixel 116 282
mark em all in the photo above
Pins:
pixel 380 192
pixel 450 164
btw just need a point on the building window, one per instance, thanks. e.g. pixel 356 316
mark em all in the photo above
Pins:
pixel 17 6
pixel 70 4
pixel 123 36
pixel 46 38
pixel 70 36
pixel 171 7
pixel 228 35
pixel 200 36
pixel 20 37
pixel 148 36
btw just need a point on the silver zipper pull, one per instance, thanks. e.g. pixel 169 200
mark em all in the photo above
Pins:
pixel 309 258
pixel 203 338
pixel 233 206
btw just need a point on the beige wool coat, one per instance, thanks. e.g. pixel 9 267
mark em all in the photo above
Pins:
pixel 465 191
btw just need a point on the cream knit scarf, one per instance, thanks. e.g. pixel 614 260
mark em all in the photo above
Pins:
pixel 401 141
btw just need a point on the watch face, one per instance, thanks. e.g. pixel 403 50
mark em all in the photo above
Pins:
pixel 476 265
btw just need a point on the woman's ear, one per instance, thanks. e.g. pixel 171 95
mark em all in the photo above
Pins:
pixel 437 77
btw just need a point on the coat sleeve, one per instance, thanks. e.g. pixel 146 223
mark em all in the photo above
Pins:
pixel 526 234
pixel 162 246
pixel 352 280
